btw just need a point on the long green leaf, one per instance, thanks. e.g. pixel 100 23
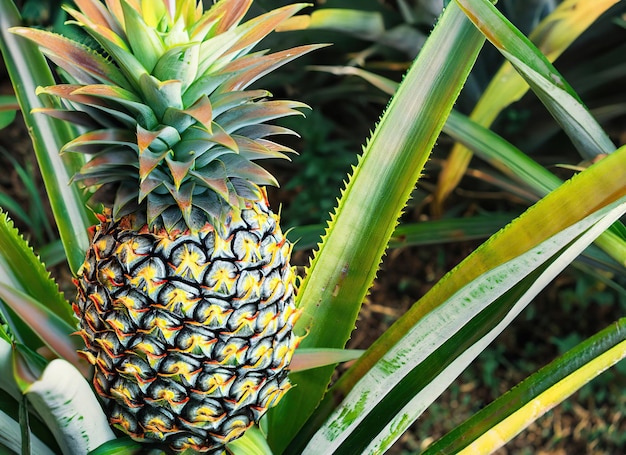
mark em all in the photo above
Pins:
pixel 119 446
pixel 553 36
pixel 52 330
pixel 10 437
pixel 65 400
pixel 423 233
pixel 6 366
pixel 251 443
pixel 596 187
pixel 498 422
pixel 28 69
pixel 21 269
pixel 555 93
pixel 343 269
pixel 386 401
pixel 25 427
pixel 511 161
pixel 42 440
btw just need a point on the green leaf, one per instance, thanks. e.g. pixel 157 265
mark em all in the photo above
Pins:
pixel 10 437
pixel 343 269
pixel 144 40
pixel 432 353
pixel 119 446
pixel 423 233
pixel 27 366
pixel 51 329
pixel 21 269
pixel 364 24
pixel 523 169
pixel 6 366
pixel 8 109
pixel 25 427
pixel 306 359
pixel 545 81
pixel 553 36
pixel 251 443
pixel 83 63
pixel 65 400
pixel 53 253
pixel 28 69
pixel 498 422
pixel 501 154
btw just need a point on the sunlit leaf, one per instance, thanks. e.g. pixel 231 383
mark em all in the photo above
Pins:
pixel 306 359
pixel 64 399
pixel 502 419
pixel 572 16
pixel 344 268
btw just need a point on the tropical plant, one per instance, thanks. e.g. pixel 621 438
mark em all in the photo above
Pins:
pixel 186 299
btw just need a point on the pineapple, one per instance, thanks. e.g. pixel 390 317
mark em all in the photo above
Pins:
pixel 186 296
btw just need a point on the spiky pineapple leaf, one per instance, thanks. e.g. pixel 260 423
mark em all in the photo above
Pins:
pixel 254 66
pixel 345 265
pixel 499 421
pixel 144 40
pixel 85 65
pixel 28 69
pixel 119 446
pixel 21 269
pixel 553 35
pixel 98 13
pixel 64 399
pixel 113 44
pixel 252 442
pixel 50 328
pixel 254 30
pixel 307 359
pixel 428 356
pixel 511 161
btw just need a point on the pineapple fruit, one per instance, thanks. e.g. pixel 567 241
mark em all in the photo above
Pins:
pixel 186 296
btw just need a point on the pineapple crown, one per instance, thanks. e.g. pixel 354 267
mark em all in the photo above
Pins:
pixel 162 91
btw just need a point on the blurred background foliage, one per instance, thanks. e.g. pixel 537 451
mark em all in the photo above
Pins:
pixel 381 38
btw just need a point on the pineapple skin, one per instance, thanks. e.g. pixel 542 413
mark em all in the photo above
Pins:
pixel 190 334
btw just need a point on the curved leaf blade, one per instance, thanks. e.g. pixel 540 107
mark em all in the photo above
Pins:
pixel 589 191
pixel 28 69
pixel 119 446
pixel 499 421
pixel 512 162
pixel 343 269
pixel 11 438
pixel 507 86
pixel 65 400
pixel 52 330
pixel 384 402
pixel 252 442
pixel 21 269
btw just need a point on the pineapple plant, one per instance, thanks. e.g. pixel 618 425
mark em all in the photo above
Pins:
pixel 186 295
pixel 140 327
